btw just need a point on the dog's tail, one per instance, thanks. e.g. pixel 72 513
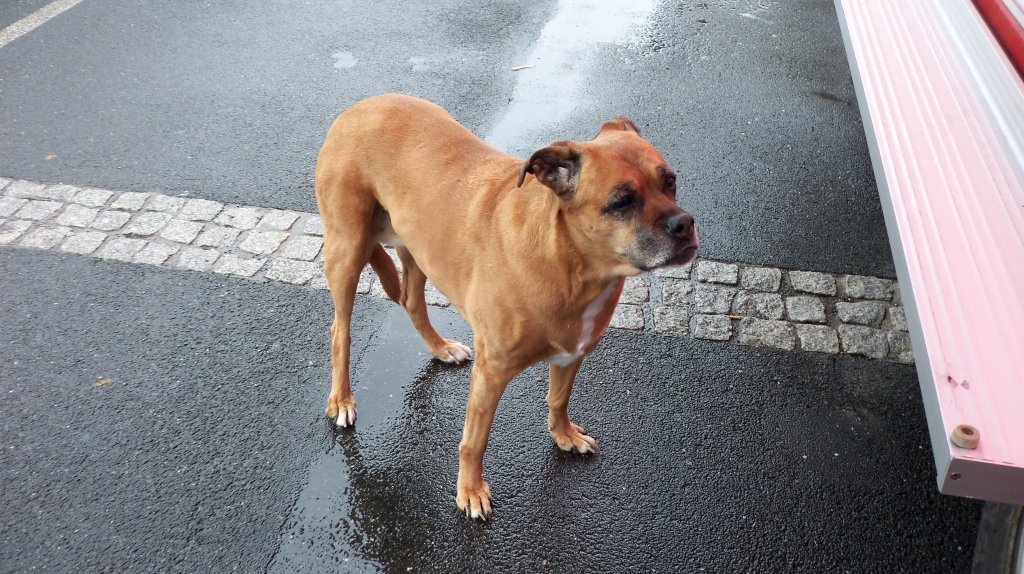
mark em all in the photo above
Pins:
pixel 386 272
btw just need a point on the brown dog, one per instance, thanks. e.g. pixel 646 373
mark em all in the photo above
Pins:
pixel 533 254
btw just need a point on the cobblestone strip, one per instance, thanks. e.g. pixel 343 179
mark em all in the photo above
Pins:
pixel 710 300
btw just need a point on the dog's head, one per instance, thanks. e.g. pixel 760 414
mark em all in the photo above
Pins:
pixel 618 196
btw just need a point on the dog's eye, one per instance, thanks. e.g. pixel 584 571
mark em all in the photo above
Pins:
pixel 622 202
pixel 669 184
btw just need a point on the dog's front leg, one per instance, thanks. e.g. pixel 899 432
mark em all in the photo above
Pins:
pixel 567 435
pixel 487 384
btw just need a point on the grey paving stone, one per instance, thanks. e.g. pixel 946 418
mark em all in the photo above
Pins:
pixel 675 271
pixel 200 209
pixel 130 200
pixel 217 236
pixel 110 220
pixel 868 313
pixel 676 292
pixel 805 309
pixel 320 282
pixel 862 287
pixel 262 242
pixel 278 219
pixel 314 226
pixel 302 247
pixel 25 189
pixel 711 299
pixel 3 182
pixel 8 205
pixel 241 266
pixel 146 223
pixel 766 333
pixel 898 318
pixel 761 278
pixel 812 282
pixel 899 347
pixel 636 290
pixel 121 248
pixel 289 271
pixel 239 217
pixel 818 338
pixel 433 296
pixel 717 272
pixel 760 305
pixel 182 231
pixel 155 253
pixel 34 190
pixel 165 203
pixel 93 197
pixel 38 209
pixel 197 259
pixel 628 317
pixel 711 327
pixel 670 319
pixel 44 237
pixel 377 290
pixel 83 242
pixel 12 230
pixel 60 192
pixel 866 341
pixel 365 280
pixel 75 215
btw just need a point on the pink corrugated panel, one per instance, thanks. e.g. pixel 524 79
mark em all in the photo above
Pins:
pixel 944 112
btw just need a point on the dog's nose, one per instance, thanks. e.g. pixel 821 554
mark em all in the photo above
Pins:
pixel 680 225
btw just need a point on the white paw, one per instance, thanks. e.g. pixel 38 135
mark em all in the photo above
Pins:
pixel 346 417
pixel 455 352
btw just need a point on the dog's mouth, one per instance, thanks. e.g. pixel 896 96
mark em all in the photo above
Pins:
pixel 684 255
pixel 680 254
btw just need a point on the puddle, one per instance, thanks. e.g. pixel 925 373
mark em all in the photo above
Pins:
pixel 324 532
pixel 549 92
pixel 344 60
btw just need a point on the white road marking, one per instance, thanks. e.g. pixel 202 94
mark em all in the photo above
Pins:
pixel 34 20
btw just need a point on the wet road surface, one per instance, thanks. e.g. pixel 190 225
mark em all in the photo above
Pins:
pixel 750 101
pixel 209 448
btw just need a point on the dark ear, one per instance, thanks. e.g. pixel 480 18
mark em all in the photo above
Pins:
pixel 556 166
pixel 619 123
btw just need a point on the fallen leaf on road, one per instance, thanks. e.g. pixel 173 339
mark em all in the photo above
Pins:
pixel 51 156
pixel 102 381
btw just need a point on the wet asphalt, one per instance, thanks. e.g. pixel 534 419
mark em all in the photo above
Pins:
pixel 753 106
pixel 208 449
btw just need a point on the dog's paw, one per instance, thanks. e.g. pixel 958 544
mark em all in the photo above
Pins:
pixel 453 352
pixel 475 501
pixel 342 411
pixel 575 438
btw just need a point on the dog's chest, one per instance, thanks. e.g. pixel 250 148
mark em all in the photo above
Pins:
pixel 593 323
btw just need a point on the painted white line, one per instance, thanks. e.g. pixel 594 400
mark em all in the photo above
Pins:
pixel 33 20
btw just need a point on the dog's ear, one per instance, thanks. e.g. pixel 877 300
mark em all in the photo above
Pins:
pixel 620 124
pixel 556 166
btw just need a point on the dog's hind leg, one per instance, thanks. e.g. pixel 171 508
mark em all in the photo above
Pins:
pixel 346 252
pixel 412 298
pixel 386 272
